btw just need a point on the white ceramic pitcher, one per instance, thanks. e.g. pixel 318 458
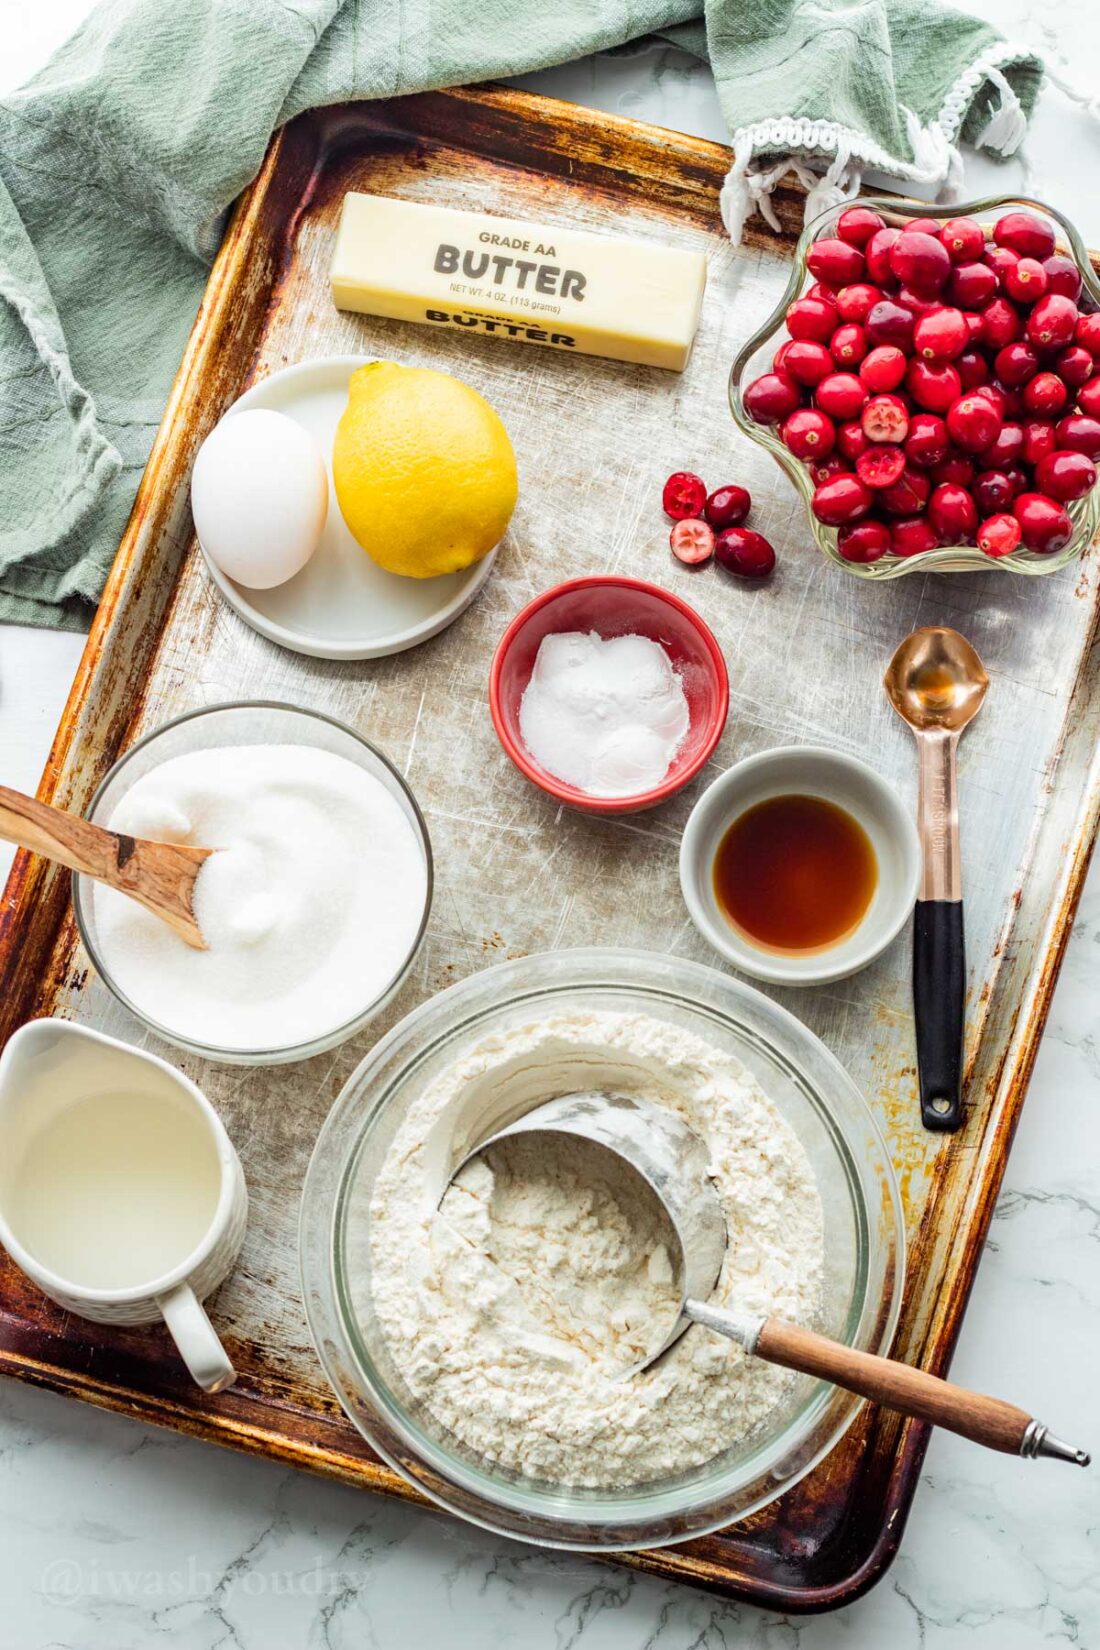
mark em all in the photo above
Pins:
pixel 46 1068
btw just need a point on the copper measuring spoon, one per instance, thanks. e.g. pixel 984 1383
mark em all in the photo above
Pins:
pixel 936 683
pixel 159 875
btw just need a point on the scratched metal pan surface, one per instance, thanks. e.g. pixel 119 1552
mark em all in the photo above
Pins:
pixel 515 873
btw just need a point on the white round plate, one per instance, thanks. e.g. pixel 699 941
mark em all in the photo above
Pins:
pixel 341 605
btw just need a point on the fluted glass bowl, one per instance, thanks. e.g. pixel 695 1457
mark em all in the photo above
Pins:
pixel 864 1241
pixel 756 355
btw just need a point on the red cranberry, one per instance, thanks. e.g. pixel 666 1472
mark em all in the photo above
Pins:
pixel 728 506
pixel 851 440
pixel 1001 324
pixel 1025 281
pixel 1052 322
pixel 781 355
pixel 842 395
pixel 880 466
pixel 1087 333
pixel 972 367
pixel 863 541
pixel 883 369
pixel 848 345
pixel 1039 440
pixel 973 327
pixel 924 226
pixel 934 388
pixel 877 254
pixel 1075 366
pixel 1016 363
pixel 809 434
pixel 1065 475
pixel 972 285
pixel 953 514
pixel 918 303
pixel 747 554
pixel 885 418
pixel 811 318
pixel 771 398
pixel 956 470
pixel 1045 394
pixel 1080 432
pixel 1088 397
pixel 824 469
pixel 927 443
pixel 855 303
pixel 841 500
pixel 835 262
pixel 1000 260
pixel 890 323
pixel 692 541
pixel 1011 402
pixel 1063 276
pixel 1007 449
pixel 941 335
pixel 1044 525
pixel 1025 234
pixel 964 239
pixel 909 494
pixel 999 535
pixel 993 492
pixel 973 422
pixel 912 536
pixel 995 395
pixel 806 362
pixel 684 495
pixel 1018 480
pixel 920 261
pixel 858 224
pixel 822 293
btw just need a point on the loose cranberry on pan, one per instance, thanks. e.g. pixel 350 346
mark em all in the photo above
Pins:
pixel 692 542
pixel 863 541
pixel 1044 525
pixel 747 554
pixel 727 506
pixel 684 495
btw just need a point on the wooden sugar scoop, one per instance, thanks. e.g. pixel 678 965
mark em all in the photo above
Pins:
pixel 672 1160
pixel 159 875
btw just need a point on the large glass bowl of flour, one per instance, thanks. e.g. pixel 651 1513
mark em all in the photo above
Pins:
pixel 863 1235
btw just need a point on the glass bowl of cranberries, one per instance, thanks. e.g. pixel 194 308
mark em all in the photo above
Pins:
pixel 931 384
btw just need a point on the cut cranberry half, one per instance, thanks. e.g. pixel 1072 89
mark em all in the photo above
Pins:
pixel 1024 234
pixel 692 542
pixel 684 495
pixel 1044 524
pixel 841 500
pixel 747 554
pixel 863 541
pixel 885 418
pixel 881 466
pixel 1065 475
pixel 999 535
pixel 771 398
pixel 727 506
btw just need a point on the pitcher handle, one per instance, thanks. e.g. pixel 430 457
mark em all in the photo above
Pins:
pixel 193 1333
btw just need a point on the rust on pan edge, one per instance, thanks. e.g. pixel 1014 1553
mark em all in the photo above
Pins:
pixel 828 1540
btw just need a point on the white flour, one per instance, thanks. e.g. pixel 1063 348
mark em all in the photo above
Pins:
pixel 510 1312
pixel 309 908
pixel 605 716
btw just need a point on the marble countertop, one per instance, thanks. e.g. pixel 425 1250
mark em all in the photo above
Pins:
pixel 114 1537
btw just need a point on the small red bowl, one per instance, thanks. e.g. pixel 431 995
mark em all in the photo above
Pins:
pixel 613 607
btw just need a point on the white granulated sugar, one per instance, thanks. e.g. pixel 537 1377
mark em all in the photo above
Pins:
pixel 309 908
pixel 510 1312
pixel 604 716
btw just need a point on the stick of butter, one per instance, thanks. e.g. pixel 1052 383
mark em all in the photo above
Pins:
pixel 559 287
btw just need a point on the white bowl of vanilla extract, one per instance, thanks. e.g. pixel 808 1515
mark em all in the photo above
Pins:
pixel 800 865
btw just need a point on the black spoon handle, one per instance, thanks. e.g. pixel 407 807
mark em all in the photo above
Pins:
pixel 939 986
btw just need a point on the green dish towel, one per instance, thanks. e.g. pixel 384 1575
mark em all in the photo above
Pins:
pixel 118 161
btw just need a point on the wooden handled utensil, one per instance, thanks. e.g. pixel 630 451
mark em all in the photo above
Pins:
pixel 159 875
pixel 671 1158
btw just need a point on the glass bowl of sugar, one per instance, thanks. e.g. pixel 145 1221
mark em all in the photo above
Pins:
pixel 495 1041
pixel 313 906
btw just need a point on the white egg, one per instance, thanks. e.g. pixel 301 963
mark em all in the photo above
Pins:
pixel 259 496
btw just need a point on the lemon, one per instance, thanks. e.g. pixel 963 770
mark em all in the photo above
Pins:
pixel 424 471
